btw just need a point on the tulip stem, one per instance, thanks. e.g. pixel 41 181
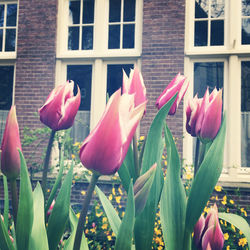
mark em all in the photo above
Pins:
pixel 14 199
pixel 85 205
pixel 136 159
pixel 197 150
pixel 46 162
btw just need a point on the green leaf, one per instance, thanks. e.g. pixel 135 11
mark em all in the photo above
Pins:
pixel 124 176
pixel 6 202
pixel 173 198
pixel 38 238
pixel 60 212
pixel 144 224
pixel 69 244
pixel 238 222
pixel 206 179
pixel 25 208
pixel 113 217
pixel 125 234
pixel 5 242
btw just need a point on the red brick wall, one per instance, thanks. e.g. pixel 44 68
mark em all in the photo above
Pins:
pixel 162 55
pixel 36 52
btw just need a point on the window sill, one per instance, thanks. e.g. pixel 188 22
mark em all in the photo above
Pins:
pixel 8 55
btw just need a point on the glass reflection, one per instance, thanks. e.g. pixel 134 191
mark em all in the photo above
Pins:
pixel 245 7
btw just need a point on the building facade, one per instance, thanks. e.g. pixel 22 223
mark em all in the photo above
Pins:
pixel 45 43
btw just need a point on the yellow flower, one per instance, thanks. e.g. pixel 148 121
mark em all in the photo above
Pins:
pixel 110 197
pixel 86 231
pixel 242 242
pixel 142 138
pixel 163 157
pixel 104 219
pixel 188 176
pixel 165 163
pixel 206 209
pixel 76 144
pixel 83 192
pixel 78 215
pixel 109 238
pixel 104 226
pixel 113 191
pixel 120 191
pixel 243 211
pixel 228 248
pixel 226 236
pixel 233 227
pixel 218 188
pixel 113 234
pixel 93 230
pixel 118 199
pixel 48 190
pixel 231 201
pixel 99 214
pixel 224 200
pixel 221 222
pixel 157 231
pixel 73 156
pixel 73 181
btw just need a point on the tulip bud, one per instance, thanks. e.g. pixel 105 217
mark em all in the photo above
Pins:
pixel 178 84
pixel 134 85
pixel 51 207
pixel 61 106
pixel 104 150
pixel 10 159
pixel 142 187
pixel 198 230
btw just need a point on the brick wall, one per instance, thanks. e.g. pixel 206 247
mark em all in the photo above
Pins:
pixel 162 55
pixel 35 64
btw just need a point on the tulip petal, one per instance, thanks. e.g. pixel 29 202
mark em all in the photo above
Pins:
pixel 198 231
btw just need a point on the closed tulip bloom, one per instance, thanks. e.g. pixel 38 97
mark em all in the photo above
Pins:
pixel 10 159
pixel 61 106
pixel 134 85
pixel 198 230
pixel 209 120
pixel 178 84
pixel 104 150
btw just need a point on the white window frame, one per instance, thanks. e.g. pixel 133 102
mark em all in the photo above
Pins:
pixel 232 53
pixel 101 24
pixel 9 54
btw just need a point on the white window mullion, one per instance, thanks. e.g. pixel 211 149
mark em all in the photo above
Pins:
pixel 121 24
pixel 80 26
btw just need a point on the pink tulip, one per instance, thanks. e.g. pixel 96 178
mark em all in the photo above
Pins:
pixel 106 146
pixel 61 106
pixel 209 119
pixel 198 230
pixel 10 159
pixel 178 84
pixel 51 207
pixel 134 85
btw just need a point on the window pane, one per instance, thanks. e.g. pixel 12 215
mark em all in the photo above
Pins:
pixel 81 75
pixel 73 40
pixel 6 86
pixel 88 11
pixel 74 12
pixel 129 10
pixel 114 37
pixel 128 36
pixel 245 31
pixel 1 39
pixel 87 37
pixel 11 14
pixel 217 32
pixel 114 10
pixel 217 8
pixel 245 114
pixel 201 9
pixel 114 76
pixel 10 39
pixel 245 7
pixel 1 15
pixel 200 35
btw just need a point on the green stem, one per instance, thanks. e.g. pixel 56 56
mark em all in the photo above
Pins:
pixel 46 162
pixel 85 205
pixel 136 159
pixel 197 149
pixel 187 241
pixel 14 199
pixel 6 201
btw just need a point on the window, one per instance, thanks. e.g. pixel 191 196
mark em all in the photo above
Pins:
pixel 217 39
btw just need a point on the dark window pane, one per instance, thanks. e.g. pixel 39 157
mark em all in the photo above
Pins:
pixel 245 8
pixel 208 74
pixel 87 37
pixel 6 86
pixel 129 10
pixel 114 79
pixel 245 114
pixel 88 11
pixel 217 32
pixel 1 39
pixel 114 10
pixel 114 37
pixel 82 76
pixel 201 9
pixel 10 39
pixel 1 15
pixel 11 14
pixel 73 39
pixel 245 31
pixel 217 8
pixel 128 36
pixel 74 12
pixel 200 33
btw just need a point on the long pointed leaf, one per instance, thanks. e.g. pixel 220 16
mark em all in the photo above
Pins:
pixel 124 176
pixel 173 199
pixel 6 202
pixel 144 224
pixel 60 212
pixel 39 240
pixel 239 222
pixel 5 242
pixel 206 179
pixel 125 234
pixel 25 208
